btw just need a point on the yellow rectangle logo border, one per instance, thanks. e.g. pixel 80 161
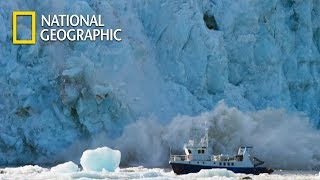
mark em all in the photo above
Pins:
pixel 15 14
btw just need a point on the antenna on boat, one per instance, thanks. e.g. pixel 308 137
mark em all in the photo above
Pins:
pixel 207 135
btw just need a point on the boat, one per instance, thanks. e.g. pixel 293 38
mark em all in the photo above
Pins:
pixel 197 158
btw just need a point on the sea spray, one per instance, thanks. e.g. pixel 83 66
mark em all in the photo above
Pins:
pixel 283 139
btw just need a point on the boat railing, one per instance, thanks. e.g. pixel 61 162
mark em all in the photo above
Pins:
pixel 178 157
pixel 189 157
pixel 222 158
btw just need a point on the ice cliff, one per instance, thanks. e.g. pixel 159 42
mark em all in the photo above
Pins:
pixel 177 57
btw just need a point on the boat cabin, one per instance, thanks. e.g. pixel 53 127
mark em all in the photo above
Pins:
pixel 196 151
pixel 199 152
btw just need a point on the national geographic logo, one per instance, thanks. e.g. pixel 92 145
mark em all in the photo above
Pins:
pixel 15 39
pixel 65 27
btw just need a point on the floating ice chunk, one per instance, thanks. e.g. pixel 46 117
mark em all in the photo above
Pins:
pixel 29 169
pixel 151 174
pixel 68 167
pixel 100 158
pixel 206 173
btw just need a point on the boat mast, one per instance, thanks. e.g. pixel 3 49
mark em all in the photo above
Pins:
pixel 207 135
pixel 207 138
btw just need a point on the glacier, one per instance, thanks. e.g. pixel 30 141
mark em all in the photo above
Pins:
pixel 177 60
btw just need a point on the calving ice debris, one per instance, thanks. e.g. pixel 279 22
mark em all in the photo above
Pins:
pixel 76 28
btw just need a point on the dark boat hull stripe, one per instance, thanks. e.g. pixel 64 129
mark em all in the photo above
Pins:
pixel 179 168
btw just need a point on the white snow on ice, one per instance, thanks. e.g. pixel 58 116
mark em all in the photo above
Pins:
pixel 67 167
pixel 36 172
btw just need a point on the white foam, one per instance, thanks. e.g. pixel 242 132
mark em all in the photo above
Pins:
pixel 209 173
pixel 101 159
pixel 36 172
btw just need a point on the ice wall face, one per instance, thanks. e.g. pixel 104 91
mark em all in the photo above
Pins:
pixel 264 53
pixel 273 53
pixel 176 57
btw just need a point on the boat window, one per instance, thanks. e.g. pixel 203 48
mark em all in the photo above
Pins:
pixel 203 162
pixel 189 151
pixel 224 164
pixel 202 151
pixel 199 151
pixel 220 164
pixel 232 164
pixel 228 164
pixel 198 162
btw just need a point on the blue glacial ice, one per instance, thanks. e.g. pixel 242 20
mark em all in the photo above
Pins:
pixel 100 159
pixel 177 59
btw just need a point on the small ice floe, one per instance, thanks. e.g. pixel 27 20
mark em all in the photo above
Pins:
pixel 68 167
pixel 100 159
pixel 210 173
pixel 29 169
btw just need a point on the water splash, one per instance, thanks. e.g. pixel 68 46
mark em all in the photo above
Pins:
pixel 283 139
